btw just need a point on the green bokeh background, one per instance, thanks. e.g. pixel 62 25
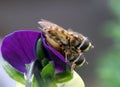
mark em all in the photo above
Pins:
pixel 109 64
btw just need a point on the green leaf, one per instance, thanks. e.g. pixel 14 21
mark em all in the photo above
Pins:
pixel 13 73
pixel 64 76
pixel 16 75
pixel 48 75
pixel 48 70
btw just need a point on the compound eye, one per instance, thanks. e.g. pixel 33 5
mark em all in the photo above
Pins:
pixel 85 45
pixel 80 61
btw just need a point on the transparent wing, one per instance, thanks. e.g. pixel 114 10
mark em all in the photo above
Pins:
pixel 45 24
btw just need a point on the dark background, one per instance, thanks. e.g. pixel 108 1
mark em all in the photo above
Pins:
pixel 84 16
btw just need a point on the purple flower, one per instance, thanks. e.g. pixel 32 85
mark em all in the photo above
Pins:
pixel 19 49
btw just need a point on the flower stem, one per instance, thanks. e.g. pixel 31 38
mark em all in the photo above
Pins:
pixel 29 75
pixel 37 69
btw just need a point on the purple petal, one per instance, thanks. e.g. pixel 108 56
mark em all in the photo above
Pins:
pixel 53 55
pixel 18 48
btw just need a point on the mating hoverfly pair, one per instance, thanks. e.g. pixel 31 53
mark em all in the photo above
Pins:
pixel 70 44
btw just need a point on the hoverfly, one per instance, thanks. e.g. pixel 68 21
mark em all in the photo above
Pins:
pixel 70 44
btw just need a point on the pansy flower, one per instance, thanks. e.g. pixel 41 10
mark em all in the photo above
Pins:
pixel 21 48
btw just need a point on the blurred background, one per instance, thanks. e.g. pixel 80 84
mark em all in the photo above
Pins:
pixel 99 20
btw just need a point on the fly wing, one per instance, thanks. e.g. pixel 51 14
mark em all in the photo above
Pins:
pixel 45 24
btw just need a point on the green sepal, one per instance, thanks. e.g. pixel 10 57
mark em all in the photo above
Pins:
pixel 37 81
pixel 44 62
pixel 48 74
pixel 64 76
pixel 39 50
pixel 13 73
pixel 40 53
